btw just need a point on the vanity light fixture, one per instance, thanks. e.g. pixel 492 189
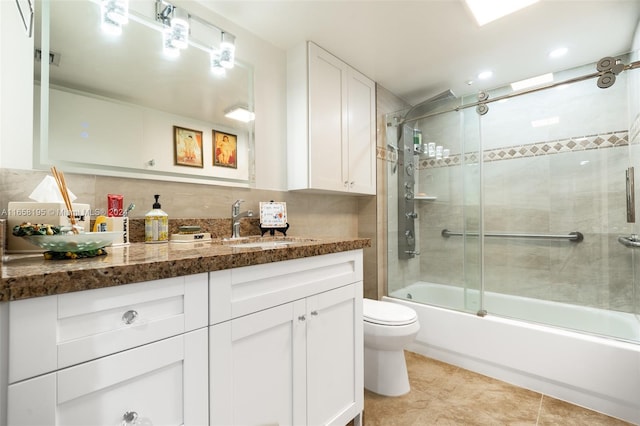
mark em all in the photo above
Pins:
pixel 216 63
pixel 227 49
pixel 114 14
pixel 175 27
pixel 240 113
pixel 176 22
pixel 168 48
pixel 180 28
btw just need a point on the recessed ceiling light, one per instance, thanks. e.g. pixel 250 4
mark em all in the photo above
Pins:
pixel 485 75
pixel 486 11
pixel 560 51
pixel 534 81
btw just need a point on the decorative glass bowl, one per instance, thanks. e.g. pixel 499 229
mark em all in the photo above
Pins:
pixel 75 242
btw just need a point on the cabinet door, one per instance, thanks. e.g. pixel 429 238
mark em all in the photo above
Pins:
pixel 16 85
pixel 362 133
pixel 334 356
pixel 164 383
pixel 256 376
pixel 327 121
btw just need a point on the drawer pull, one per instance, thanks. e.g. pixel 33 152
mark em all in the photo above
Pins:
pixel 129 417
pixel 302 318
pixel 129 317
pixel 314 313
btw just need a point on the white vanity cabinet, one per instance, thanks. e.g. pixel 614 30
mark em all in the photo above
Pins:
pixel 286 342
pixel 111 355
pixel 331 123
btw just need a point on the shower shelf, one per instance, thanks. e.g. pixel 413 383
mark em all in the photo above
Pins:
pixel 425 198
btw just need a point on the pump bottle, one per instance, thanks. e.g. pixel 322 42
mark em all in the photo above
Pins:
pixel 156 224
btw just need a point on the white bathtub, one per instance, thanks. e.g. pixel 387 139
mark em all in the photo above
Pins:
pixel 599 373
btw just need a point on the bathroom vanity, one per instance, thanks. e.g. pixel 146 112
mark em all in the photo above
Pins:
pixel 222 335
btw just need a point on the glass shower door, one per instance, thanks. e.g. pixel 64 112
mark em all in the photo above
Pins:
pixel 433 187
pixel 554 166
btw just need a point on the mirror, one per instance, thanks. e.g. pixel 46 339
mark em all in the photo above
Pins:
pixel 112 101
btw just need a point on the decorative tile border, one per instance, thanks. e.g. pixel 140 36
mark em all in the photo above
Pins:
pixel 582 143
pixel 386 154
pixel 609 140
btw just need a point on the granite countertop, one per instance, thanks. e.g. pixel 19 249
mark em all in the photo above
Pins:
pixel 30 275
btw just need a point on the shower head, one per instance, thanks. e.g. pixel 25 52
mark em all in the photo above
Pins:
pixel 428 105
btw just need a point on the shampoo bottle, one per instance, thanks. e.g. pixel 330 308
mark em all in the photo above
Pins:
pixel 156 224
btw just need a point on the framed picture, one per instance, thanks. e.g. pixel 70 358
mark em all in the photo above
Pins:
pixel 225 149
pixel 187 147
pixel 273 215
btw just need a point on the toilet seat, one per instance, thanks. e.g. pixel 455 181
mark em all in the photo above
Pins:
pixel 386 313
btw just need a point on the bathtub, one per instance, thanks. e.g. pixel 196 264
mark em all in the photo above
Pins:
pixel 599 373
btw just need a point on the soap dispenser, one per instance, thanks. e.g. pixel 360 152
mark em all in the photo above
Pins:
pixel 156 224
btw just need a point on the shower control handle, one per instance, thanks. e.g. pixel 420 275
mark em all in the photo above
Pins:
pixel 408 234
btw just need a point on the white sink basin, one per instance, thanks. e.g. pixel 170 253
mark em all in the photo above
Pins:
pixel 263 244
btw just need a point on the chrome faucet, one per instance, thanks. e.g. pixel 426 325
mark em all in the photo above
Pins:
pixel 236 215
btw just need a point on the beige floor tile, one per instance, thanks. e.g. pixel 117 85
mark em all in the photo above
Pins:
pixel 442 394
pixel 556 412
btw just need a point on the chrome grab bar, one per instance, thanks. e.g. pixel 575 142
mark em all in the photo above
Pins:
pixel 631 241
pixel 575 237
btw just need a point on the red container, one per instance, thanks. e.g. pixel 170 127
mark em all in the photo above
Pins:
pixel 115 204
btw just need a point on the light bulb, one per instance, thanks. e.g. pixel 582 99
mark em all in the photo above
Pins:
pixel 180 28
pixel 227 50
pixel 168 48
pixel 110 26
pixel 216 66
pixel 116 10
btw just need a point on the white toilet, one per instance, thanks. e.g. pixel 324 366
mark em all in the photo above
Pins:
pixel 388 329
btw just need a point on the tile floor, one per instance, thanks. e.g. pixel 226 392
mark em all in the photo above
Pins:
pixel 442 394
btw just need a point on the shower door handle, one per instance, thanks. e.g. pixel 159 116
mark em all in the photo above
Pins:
pixel 631 196
pixel 630 241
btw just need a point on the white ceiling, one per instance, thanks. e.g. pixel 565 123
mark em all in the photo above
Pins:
pixel 419 48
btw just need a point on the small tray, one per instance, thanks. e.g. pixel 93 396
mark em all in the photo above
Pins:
pixel 75 242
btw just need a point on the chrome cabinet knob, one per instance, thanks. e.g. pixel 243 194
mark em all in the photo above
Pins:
pixel 302 318
pixel 129 418
pixel 314 313
pixel 129 317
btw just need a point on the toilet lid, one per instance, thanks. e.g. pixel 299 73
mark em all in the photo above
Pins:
pixel 387 313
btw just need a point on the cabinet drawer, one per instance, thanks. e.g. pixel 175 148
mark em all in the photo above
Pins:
pixel 54 332
pixel 237 292
pixel 164 383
